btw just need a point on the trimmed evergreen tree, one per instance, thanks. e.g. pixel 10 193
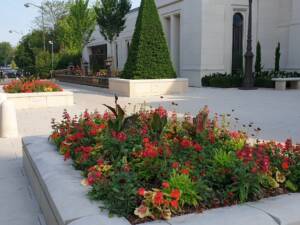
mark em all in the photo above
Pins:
pixel 258 66
pixel 277 58
pixel 149 56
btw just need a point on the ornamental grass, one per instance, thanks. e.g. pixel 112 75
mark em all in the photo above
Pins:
pixel 151 165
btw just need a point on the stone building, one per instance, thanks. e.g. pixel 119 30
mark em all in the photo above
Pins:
pixel 207 36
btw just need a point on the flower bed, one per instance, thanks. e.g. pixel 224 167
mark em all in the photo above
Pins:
pixel 153 166
pixel 30 86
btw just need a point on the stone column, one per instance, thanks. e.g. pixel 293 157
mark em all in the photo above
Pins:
pixel 294 34
pixel 174 41
pixel 8 120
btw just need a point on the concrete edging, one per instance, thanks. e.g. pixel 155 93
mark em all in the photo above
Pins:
pixel 64 202
pixel 41 100
pixel 144 88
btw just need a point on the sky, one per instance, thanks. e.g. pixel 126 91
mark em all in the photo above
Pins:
pixel 14 16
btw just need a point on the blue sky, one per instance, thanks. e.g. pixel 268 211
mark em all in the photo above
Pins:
pixel 14 16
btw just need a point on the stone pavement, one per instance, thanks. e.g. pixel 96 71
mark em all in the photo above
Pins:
pixel 17 202
pixel 277 113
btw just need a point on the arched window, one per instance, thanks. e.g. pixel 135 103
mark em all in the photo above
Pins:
pixel 237 43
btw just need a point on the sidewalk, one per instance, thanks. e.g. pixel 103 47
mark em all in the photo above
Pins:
pixel 17 202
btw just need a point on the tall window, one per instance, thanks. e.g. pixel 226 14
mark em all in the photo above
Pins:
pixel 237 43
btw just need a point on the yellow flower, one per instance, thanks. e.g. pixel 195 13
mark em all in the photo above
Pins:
pixel 84 182
pixel 280 177
pixel 142 212
pixel 167 214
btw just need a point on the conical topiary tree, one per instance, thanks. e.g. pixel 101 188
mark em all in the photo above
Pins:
pixel 149 56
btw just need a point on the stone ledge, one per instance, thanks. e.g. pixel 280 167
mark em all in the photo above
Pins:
pixel 145 88
pixel 41 100
pixel 63 200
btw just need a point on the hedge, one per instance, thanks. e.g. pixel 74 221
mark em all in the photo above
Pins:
pixel 263 79
pixel 149 56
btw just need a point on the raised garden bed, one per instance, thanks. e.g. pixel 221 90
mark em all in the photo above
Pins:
pixel 41 100
pixel 63 199
pixel 28 94
pixel 151 165
pixel 84 80
pixel 147 87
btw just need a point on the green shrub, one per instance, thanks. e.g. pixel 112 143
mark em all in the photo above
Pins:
pixel 222 80
pixel 277 58
pixel 67 59
pixel 149 57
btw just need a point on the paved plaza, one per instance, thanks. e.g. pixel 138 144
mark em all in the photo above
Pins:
pixel 277 113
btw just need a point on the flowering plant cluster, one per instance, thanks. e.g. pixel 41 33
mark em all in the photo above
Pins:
pixel 29 86
pixel 152 165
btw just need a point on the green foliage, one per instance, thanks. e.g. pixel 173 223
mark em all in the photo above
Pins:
pixel 149 57
pixel 110 16
pixel 187 187
pixel 222 80
pixel 43 64
pixel 277 58
pixel 258 66
pixel 76 28
pixel 66 59
pixel 6 53
pixel 119 195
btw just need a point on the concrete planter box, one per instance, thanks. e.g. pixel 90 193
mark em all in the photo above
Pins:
pixel 41 100
pixel 63 199
pixel 144 88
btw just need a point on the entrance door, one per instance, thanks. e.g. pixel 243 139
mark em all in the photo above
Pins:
pixel 237 43
pixel 98 56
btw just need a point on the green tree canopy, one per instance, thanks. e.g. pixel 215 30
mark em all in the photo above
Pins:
pixel 110 16
pixel 149 56
pixel 75 29
pixel 6 53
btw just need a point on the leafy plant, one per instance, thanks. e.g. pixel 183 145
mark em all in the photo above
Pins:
pixel 187 187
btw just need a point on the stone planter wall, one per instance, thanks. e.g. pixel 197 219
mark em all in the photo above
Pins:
pixel 144 88
pixel 41 100
pixel 63 199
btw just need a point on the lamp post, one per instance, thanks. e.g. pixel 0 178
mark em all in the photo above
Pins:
pixel 27 5
pixel 52 56
pixel 248 83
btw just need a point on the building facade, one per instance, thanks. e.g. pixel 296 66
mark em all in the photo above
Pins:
pixel 208 36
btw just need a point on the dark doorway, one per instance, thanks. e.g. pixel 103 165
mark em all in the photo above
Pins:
pixel 237 43
pixel 97 58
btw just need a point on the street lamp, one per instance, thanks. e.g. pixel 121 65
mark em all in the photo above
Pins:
pixel 27 5
pixel 248 83
pixel 52 56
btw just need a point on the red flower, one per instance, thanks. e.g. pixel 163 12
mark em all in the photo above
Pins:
pixel 285 164
pixel 93 132
pixel 185 171
pixel 141 192
pixel 174 204
pixel 175 165
pixel 198 147
pixel 122 137
pixel 158 198
pixel 185 143
pixel 165 185
pixel 175 194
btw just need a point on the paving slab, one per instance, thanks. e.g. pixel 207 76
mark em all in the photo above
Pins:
pixel 285 208
pixel 18 204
